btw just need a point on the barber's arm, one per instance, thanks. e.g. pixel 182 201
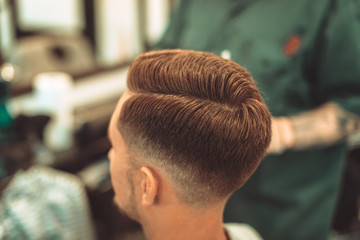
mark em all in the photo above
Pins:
pixel 324 126
pixel 337 60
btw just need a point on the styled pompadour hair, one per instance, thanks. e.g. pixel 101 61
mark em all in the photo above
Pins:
pixel 199 118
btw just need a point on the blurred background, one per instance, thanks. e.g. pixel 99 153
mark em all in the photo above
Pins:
pixel 63 66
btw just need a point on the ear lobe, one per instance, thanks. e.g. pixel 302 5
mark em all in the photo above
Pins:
pixel 149 186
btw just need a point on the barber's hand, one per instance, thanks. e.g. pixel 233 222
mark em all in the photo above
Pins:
pixel 321 127
pixel 282 135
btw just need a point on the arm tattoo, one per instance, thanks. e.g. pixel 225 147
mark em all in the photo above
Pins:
pixel 323 126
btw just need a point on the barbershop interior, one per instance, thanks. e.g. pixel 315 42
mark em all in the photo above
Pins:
pixel 63 68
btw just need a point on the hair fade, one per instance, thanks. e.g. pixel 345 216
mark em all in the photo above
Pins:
pixel 199 118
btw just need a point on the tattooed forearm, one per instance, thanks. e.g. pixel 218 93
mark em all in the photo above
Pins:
pixel 323 126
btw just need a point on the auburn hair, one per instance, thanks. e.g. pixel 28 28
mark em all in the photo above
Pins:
pixel 199 118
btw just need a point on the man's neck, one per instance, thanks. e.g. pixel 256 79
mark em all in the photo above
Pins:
pixel 181 223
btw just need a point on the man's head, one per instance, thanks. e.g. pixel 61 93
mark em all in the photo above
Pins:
pixel 193 117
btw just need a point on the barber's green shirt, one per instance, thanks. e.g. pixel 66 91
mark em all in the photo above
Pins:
pixel 301 53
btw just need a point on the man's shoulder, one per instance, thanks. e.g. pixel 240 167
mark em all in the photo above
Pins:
pixel 237 231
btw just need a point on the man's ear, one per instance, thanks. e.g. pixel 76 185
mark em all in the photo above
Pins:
pixel 149 186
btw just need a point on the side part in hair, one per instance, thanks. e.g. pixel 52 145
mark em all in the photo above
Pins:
pixel 198 117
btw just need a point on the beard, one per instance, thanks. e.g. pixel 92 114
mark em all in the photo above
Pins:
pixel 129 209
